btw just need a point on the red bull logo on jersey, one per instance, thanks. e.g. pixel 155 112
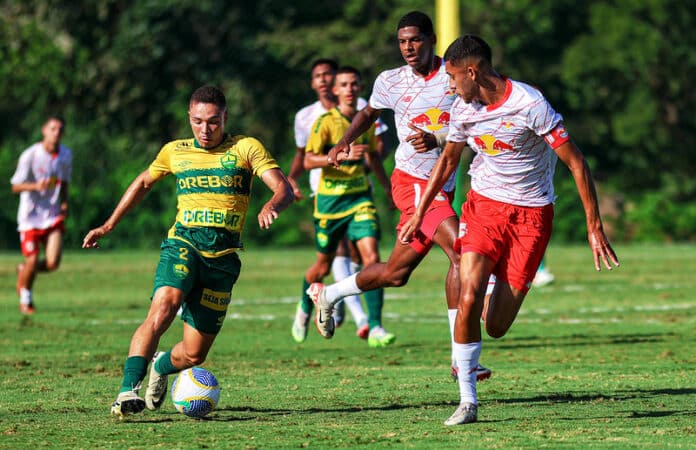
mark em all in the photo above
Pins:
pixel 507 125
pixel 491 145
pixel 433 119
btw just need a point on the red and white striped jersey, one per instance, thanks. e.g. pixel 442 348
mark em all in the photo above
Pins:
pixel 421 101
pixel 513 162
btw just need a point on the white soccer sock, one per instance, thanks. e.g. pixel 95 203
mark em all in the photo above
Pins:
pixel 491 284
pixel 343 267
pixel 341 289
pixel 452 316
pixel 340 268
pixel 467 361
pixel 25 296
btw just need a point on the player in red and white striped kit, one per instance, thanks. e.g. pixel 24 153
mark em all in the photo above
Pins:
pixel 506 221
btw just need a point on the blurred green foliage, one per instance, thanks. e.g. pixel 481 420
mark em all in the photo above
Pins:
pixel 121 73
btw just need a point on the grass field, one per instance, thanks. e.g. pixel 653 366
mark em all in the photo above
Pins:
pixel 595 360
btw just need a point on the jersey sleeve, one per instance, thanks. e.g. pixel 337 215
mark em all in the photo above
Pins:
pixel 301 132
pixel 380 98
pixel 161 166
pixel 259 159
pixel 456 130
pixel 542 118
pixel 21 174
pixel 318 136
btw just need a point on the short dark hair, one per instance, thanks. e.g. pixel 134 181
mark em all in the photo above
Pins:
pixel 209 94
pixel 419 20
pixel 349 69
pixel 468 46
pixel 329 62
pixel 55 117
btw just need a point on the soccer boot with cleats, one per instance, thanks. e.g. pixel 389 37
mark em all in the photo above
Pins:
pixel 465 413
pixel 324 318
pixel 156 386
pixel 482 373
pixel 379 337
pixel 127 403
pixel 300 324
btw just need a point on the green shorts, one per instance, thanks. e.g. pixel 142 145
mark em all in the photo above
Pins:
pixel 206 283
pixel 329 232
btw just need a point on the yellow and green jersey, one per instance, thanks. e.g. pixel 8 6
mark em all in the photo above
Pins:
pixel 344 190
pixel 213 188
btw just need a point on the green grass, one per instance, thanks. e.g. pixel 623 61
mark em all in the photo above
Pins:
pixel 595 360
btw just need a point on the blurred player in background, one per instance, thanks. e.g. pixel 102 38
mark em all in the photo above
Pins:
pixel 41 180
pixel 198 263
pixel 418 93
pixel 507 219
pixel 343 205
pixel 346 261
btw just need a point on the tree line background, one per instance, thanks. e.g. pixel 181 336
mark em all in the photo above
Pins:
pixel 121 73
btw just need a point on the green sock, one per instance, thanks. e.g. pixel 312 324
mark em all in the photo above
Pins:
pixel 133 372
pixel 164 365
pixel 375 301
pixel 307 304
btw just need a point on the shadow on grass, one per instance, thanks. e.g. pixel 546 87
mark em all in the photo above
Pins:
pixel 580 340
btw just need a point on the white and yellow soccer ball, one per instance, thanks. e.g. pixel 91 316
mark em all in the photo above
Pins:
pixel 195 392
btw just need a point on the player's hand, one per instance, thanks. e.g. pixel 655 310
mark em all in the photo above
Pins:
pixel 422 141
pixel 410 228
pixel 338 154
pixel 295 189
pixel 42 185
pixel 357 152
pixel 92 238
pixel 267 216
pixel 601 250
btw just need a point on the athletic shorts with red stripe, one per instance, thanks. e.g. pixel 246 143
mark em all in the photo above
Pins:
pixel 407 192
pixel 30 240
pixel 513 237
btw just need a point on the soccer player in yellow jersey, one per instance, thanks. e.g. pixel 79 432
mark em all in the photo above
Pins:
pixel 198 262
pixel 343 203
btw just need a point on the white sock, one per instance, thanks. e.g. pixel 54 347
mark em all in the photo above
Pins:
pixel 452 315
pixel 25 296
pixel 467 360
pixel 343 267
pixel 491 284
pixel 340 268
pixel 355 308
pixel 354 267
pixel 344 288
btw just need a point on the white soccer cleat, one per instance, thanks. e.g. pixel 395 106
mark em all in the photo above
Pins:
pixel 324 319
pixel 465 413
pixel 156 386
pixel 127 403
pixel 339 314
pixel 299 324
pixel 482 373
pixel 543 278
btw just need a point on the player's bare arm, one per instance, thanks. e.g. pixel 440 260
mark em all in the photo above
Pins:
pixel 360 123
pixel 599 244
pixel 422 141
pixel 64 187
pixel 296 169
pixel 40 185
pixel 446 164
pixel 281 199
pixel 140 186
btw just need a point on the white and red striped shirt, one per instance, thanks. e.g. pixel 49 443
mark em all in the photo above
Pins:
pixel 421 101
pixel 513 162
pixel 41 209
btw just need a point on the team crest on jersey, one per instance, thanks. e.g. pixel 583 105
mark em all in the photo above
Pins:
pixel 183 164
pixel 322 239
pixel 180 270
pixel 507 125
pixel 228 160
pixel 433 119
pixel 491 145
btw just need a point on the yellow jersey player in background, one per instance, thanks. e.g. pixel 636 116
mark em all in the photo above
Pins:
pixel 198 261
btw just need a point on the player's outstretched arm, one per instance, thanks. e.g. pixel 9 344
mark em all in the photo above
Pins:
pixel 599 243
pixel 360 123
pixel 140 186
pixel 446 164
pixel 282 197
pixel 296 169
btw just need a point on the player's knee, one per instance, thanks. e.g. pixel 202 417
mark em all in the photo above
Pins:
pixel 195 358
pixel 52 265
pixel 496 330
pixel 369 260
pixel 397 278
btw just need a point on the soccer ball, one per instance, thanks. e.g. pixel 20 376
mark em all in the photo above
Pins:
pixel 195 392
